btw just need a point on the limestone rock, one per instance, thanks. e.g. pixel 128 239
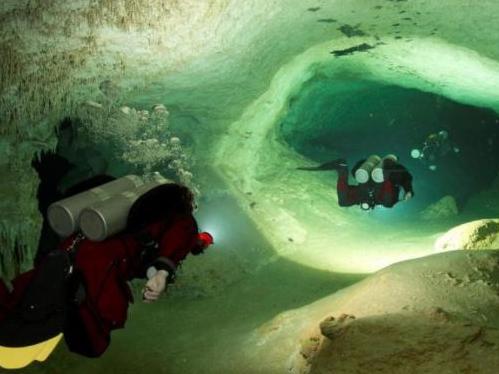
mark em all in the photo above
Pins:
pixel 444 208
pixel 310 347
pixel 480 234
pixel 408 343
pixel 333 328
pixel 436 314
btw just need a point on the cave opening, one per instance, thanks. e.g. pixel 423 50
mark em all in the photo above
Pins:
pixel 352 119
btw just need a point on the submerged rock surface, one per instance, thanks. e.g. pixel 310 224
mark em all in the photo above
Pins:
pixel 480 234
pixel 444 208
pixel 434 314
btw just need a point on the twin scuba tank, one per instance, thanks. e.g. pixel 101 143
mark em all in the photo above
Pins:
pixel 375 168
pixel 101 211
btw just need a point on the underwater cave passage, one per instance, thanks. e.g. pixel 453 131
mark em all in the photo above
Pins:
pixel 353 119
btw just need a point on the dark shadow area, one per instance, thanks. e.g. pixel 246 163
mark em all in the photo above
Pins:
pixel 51 168
pixel 353 119
pixel 69 169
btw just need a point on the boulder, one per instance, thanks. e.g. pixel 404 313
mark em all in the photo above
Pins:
pixel 407 342
pixel 436 314
pixel 444 208
pixel 480 234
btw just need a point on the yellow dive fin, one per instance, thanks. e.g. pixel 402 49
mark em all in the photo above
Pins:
pixel 19 357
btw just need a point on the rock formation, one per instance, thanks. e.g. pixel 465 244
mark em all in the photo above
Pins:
pixel 429 315
pixel 444 208
pixel 480 234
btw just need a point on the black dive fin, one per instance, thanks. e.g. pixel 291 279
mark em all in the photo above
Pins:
pixel 331 165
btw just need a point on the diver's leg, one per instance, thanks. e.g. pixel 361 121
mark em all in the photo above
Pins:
pixel 347 195
pixel 387 195
pixel 19 286
pixel 331 165
pixel 35 309
pixel 48 241
pixel 4 299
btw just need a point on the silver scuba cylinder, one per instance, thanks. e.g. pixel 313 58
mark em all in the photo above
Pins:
pixel 378 174
pixel 106 218
pixel 63 215
pixel 363 173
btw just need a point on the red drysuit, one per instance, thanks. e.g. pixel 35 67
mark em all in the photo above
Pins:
pixel 104 268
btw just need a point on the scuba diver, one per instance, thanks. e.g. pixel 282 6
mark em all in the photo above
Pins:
pixel 436 146
pixel 80 290
pixel 379 181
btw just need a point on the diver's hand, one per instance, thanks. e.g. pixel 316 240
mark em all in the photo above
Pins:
pixel 155 286
pixel 408 195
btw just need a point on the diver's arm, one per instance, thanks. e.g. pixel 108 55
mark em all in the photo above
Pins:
pixel 175 244
pixel 406 184
pixel 400 176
